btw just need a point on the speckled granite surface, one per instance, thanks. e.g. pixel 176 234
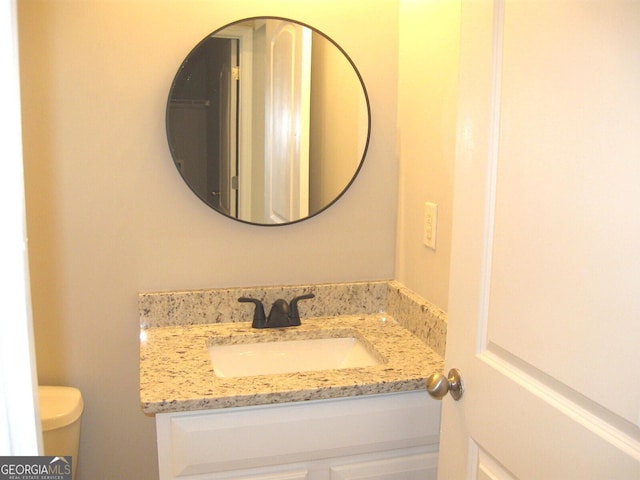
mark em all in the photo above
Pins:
pixel 176 373
pixel 423 319
pixel 175 369
pixel 220 305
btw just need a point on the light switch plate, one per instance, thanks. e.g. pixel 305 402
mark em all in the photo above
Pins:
pixel 430 224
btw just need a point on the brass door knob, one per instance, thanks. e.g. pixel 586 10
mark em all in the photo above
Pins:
pixel 438 385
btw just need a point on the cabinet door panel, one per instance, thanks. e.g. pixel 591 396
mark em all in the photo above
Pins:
pixel 418 466
pixel 302 474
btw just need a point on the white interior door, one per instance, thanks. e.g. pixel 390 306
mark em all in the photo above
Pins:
pixel 288 87
pixel 545 281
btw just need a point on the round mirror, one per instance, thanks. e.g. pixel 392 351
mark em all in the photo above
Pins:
pixel 268 121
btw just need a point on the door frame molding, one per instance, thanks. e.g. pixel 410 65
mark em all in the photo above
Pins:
pixel 244 35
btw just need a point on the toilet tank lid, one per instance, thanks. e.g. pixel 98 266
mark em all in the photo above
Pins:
pixel 59 406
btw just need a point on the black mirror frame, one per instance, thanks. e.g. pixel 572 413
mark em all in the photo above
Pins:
pixel 367 102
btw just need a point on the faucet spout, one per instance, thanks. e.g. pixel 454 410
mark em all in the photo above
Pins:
pixel 279 314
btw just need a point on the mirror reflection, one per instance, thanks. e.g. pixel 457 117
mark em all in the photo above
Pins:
pixel 268 121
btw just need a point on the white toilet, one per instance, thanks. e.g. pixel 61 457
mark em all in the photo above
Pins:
pixel 60 412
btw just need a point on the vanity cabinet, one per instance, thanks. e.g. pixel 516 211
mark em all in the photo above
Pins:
pixel 383 437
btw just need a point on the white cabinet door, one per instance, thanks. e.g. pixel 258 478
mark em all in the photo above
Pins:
pixel 301 438
pixel 545 279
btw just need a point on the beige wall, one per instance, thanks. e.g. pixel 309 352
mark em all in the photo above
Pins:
pixel 108 215
pixel 427 94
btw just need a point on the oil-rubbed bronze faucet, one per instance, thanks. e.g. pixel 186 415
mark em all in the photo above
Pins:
pixel 282 314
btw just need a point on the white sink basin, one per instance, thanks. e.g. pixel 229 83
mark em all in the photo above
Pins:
pixel 248 359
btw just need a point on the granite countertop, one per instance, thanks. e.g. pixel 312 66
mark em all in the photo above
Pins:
pixel 176 373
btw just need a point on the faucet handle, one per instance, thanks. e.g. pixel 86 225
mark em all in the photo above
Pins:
pixel 259 318
pixel 294 316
